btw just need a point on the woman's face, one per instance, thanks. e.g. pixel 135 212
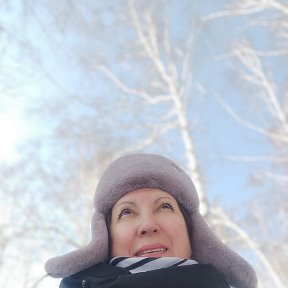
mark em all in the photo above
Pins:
pixel 148 223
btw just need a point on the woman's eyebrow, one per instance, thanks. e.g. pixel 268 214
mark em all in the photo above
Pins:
pixel 163 197
pixel 125 202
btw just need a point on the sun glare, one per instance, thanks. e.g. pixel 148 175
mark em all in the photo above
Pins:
pixel 11 132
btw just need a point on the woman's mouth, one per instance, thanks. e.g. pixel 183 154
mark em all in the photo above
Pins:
pixel 151 251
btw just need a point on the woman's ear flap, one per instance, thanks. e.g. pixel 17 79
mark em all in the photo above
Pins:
pixel 96 251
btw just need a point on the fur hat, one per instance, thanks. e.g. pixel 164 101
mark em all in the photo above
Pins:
pixel 138 171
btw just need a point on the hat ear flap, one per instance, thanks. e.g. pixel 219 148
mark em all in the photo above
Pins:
pixel 96 251
pixel 207 248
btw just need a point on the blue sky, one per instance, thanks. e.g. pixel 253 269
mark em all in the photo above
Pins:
pixel 216 136
pixel 41 68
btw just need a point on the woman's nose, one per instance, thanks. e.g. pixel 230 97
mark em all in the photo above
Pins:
pixel 148 226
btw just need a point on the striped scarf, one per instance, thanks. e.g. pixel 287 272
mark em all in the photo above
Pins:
pixel 144 264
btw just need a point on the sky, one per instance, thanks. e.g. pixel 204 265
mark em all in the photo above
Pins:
pixel 13 129
pixel 216 138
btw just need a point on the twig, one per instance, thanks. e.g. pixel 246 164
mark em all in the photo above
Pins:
pixel 39 281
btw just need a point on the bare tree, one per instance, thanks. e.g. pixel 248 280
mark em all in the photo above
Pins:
pixel 88 127
pixel 273 98
pixel 149 37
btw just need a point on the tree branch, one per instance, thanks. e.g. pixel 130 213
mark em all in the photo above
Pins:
pixel 219 217
pixel 259 130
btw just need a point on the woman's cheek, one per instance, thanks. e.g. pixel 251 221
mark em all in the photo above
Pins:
pixel 125 230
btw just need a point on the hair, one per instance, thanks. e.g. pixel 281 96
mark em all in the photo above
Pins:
pixel 189 226
pixel 183 211
pixel 108 224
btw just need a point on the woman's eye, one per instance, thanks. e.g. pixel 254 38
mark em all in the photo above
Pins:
pixel 124 213
pixel 167 206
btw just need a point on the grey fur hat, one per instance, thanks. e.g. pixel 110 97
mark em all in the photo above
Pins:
pixel 138 171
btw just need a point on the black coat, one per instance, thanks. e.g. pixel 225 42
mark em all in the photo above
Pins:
pixel 104 275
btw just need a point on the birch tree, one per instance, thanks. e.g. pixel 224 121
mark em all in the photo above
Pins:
pixel 150 79
pixel 273 97
pixel 149 37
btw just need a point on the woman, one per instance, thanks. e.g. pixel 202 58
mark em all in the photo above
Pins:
pixel 147 232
